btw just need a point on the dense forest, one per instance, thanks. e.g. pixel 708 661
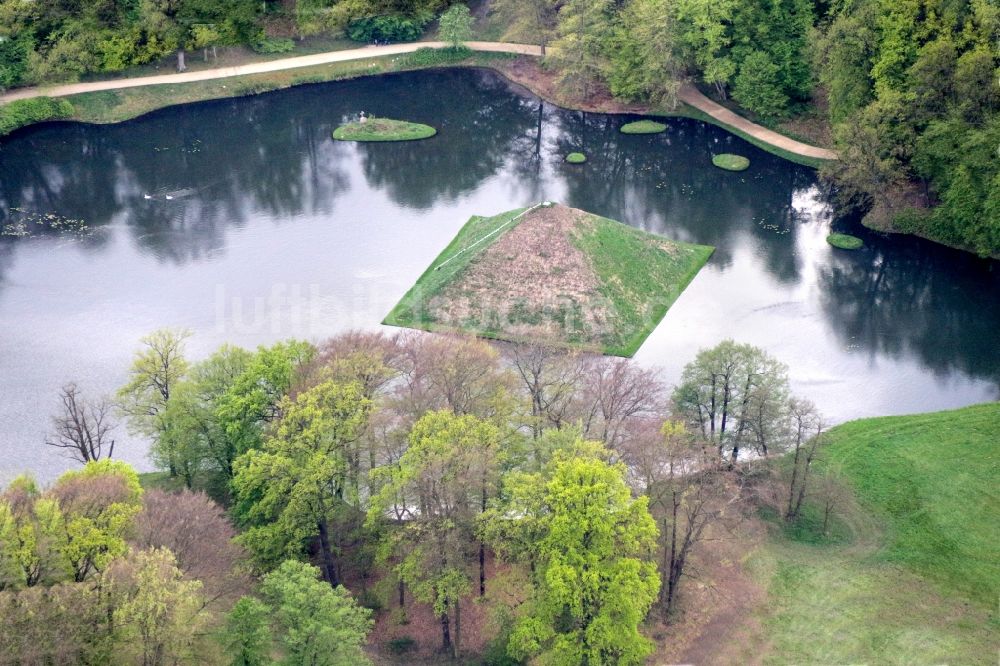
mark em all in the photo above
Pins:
pixel 909 89
pixel 551 500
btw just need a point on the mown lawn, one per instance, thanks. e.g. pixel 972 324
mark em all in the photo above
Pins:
pixel 935 481
pixel 837 605
pixel 916 577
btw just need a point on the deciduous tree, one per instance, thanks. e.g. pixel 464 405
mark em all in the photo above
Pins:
pixel 156 369
pixel 289 490
pixel 316 625
pixel 596 577
pixel 455 25
pixel 82 429
pixel 731 395
pixel 442 478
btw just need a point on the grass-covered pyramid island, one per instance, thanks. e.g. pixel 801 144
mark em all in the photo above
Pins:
pixel 554 274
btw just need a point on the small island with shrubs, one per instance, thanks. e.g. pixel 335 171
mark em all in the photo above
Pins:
pixel 643 127
pixel 383 129
pixel 731 162
pixel 845 241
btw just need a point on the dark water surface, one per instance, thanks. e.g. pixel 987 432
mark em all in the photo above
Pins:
pixel 243 221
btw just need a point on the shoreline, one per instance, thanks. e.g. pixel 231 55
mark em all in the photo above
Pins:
pixel 522 69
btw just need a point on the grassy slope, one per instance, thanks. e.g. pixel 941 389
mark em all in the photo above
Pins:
pixel 934 480
pixel 639 278
pixel 408 312
pixel 917 581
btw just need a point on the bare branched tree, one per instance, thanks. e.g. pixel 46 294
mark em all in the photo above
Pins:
pixel 82 429
pixel 552 379
pixel 688 492
pixel 198 533
pixel 617 390
pixel 806 428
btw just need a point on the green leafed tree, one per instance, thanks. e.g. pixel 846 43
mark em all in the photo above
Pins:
pixel 705 38
pixel 757 86
pixel 157 613
pixel 157 367
pixel 254 397
pixel 596 578
pixel 583 36
pixel 195 437
pixel 315 624
pixel 455 25
pixel 440 484
pixel 288 491
pixel 529 21
pixel 247 638
pixel 734 396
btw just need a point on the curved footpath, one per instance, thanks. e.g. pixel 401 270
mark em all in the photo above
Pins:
pixel 688 94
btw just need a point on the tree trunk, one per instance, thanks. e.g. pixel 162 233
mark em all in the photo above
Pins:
pixel 482 555
pixel 664 569
pixel 326 555
pixel 795 472
pixel 482 569
pixel 673 574
pixel 402 593
pixel 180 61
pixel 458 628
pixel 445 632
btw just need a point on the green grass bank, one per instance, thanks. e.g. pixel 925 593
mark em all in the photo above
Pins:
pixel 110 106
pixel 932 479
pixel 913 571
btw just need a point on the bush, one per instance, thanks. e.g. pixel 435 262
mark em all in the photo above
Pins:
pixel 369 600
pixel 757 87
pixel 248 88
pixel 386 28
pixel 402 645
pixel 24 112
pixel 273 45
pixel 426 56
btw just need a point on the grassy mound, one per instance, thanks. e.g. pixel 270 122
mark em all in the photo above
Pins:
pixel 845 241
pixel 912 573
pixel 932 478
pixel 643 127
pixel 555 274
pixel 383 129
pixel 731 162
pixel 576 158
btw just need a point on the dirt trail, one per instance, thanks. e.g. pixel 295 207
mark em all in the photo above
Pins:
pixel 692 96
pixel 688 94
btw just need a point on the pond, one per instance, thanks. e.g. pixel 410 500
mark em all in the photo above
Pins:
pixel 243 221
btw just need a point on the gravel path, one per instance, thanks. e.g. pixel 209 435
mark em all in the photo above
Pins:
pixel 689 94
